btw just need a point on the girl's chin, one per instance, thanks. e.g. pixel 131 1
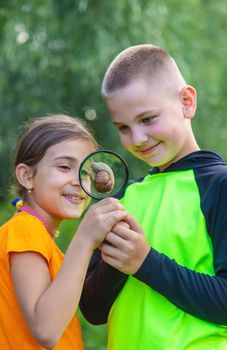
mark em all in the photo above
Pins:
pixel 73 215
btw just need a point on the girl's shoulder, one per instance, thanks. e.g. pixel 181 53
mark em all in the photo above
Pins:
pixel 25 221
pixel 24 232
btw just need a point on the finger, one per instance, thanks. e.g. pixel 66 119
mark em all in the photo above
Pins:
pixel 123 232
pixel 107 201
pixel 122 224
pixel 108 206
pixel 112 261
pixel 113 252
pixel 134 224
pixel 112 218
pixel 115 240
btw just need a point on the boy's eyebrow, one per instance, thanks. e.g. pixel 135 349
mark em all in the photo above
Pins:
pixel 139 115
pixel 117 123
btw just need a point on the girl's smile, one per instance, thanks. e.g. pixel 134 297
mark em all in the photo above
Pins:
pixel 56 193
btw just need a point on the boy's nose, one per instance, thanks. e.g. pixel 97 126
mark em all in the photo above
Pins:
pixel 139 137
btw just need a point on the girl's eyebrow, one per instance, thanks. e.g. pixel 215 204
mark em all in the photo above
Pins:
pixel 66 157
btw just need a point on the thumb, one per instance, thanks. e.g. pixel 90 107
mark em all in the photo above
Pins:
pixel 120 224
pixel 133 224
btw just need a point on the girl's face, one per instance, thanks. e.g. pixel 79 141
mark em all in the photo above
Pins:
pixel 56 193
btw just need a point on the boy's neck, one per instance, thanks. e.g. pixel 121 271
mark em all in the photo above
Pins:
pixel 193 149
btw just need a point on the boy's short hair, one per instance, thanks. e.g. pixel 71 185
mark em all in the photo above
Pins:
pixel 145 61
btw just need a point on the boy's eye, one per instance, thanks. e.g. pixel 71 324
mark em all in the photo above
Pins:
pixel 148 120
pixel 123 128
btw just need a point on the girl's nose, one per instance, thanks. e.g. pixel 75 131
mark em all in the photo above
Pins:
pixel 75 179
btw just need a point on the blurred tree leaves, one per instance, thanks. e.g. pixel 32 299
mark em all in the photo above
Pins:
pixel 54 54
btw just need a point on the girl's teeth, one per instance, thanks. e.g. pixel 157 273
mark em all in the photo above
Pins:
pixel 74 197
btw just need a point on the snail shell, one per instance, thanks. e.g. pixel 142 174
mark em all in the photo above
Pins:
pixel 103 178
pixel 102 182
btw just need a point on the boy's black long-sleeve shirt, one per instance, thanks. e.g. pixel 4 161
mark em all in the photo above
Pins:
pixel 202 295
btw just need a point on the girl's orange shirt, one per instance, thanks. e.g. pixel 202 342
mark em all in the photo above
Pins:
pixel 24 232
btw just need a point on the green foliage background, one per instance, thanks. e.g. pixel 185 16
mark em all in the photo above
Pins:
pixel 54 54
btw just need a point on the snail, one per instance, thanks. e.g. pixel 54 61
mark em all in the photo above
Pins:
pixel 103 177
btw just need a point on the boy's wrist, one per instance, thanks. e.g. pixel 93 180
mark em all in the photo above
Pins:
pixel 145 266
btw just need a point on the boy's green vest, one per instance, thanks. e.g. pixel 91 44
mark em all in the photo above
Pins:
pixel 167 205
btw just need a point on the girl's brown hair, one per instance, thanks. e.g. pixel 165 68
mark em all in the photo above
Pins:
pixel 41 133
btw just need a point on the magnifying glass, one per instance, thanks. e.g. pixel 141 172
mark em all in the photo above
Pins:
pixel 103 173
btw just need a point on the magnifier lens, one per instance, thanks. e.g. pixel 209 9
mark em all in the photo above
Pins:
pixel 103 174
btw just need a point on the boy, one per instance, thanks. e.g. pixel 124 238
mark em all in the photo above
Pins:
pixel 162 285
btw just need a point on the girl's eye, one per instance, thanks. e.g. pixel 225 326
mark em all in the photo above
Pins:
pixel 84 173
pixel 64 167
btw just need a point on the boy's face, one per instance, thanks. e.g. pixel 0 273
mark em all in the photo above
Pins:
pixel 151 123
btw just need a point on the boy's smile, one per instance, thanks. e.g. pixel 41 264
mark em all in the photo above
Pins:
pixel 147 151
pixel 151 123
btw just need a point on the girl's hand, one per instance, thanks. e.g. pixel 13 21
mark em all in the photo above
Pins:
pixel 126 247
pixel 100 219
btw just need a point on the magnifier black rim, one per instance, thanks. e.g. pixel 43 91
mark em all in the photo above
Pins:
pixel 126 173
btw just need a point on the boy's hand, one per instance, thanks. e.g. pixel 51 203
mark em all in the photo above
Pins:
pixel 126 247
pixel 99 220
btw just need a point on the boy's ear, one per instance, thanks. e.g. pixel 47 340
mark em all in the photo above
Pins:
pixel 24 175
pixel 188 100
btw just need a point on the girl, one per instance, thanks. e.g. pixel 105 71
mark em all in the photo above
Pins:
pixel 39 288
